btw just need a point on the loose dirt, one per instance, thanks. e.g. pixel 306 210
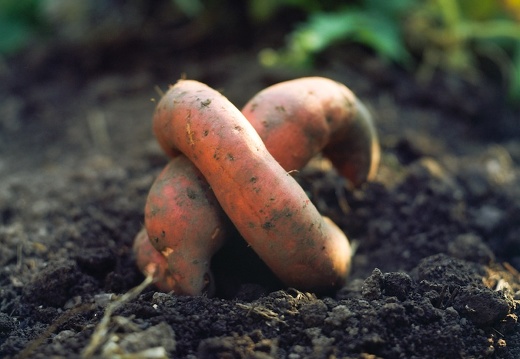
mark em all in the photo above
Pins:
pixel 435 274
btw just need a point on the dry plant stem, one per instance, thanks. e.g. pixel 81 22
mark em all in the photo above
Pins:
pixel 100 333
pixel 266 205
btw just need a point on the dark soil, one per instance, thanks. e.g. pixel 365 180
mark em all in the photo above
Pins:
pixel 435 274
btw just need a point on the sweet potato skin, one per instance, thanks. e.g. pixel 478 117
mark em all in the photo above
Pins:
pixel 152 262
pixel 299 118
pixel 296 120
pixel 186 226
pixel 356 152
pixel 265 204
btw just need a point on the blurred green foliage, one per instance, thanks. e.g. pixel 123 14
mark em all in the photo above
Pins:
pixel 265 10
pixel 373 23
pixel 452 36
pixel 191 8
pixel 455 36
pixel 425 36
pixel 19 22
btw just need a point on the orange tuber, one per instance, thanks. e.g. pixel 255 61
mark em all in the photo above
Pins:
pixel 186 225
pixel 299 118
pixel 296 119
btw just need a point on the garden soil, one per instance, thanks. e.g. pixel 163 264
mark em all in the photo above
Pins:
pixel 437 234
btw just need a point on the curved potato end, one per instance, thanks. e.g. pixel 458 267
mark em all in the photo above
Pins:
pixel 152 262
pixel 357 155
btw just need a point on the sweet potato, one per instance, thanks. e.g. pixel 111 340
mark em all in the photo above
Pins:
pixel 265 204
pixel 152 262
pixel 186 226
pixel 296 119
pixel 299 118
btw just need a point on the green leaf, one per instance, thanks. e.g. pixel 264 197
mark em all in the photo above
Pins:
pixel 262 10
pixel 191 8
pixel 381 33
pixel 22 10
pixel 481 9
pixel 392 9
pixel 15 35
pixel 514 84
pixel 323 29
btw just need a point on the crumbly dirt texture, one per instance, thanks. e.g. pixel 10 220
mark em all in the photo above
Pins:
pixel 437 234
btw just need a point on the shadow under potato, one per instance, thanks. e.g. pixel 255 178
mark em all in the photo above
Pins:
pixel 240 273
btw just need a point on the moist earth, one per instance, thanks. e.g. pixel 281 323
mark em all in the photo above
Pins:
pixel 437 234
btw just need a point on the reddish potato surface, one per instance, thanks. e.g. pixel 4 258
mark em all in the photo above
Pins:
pixel 152 262
pixel 266 205
pixel 296 120
pixel 186 225
pixel 299 118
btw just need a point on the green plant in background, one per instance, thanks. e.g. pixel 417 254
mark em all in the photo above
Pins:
pixel 447 35
pixel 264 10
pixel 191 8
pixel 454 35
pixel 19 23
pixel 373 23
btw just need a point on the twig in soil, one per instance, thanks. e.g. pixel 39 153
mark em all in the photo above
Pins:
pixel 262 312
pixel 100 333
pixel 19 256
pixel 98 129
pixel 159 91
pixel 19 248
pixel 354 246
pixel 341 197
pixel 511 269
pixel 500 334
